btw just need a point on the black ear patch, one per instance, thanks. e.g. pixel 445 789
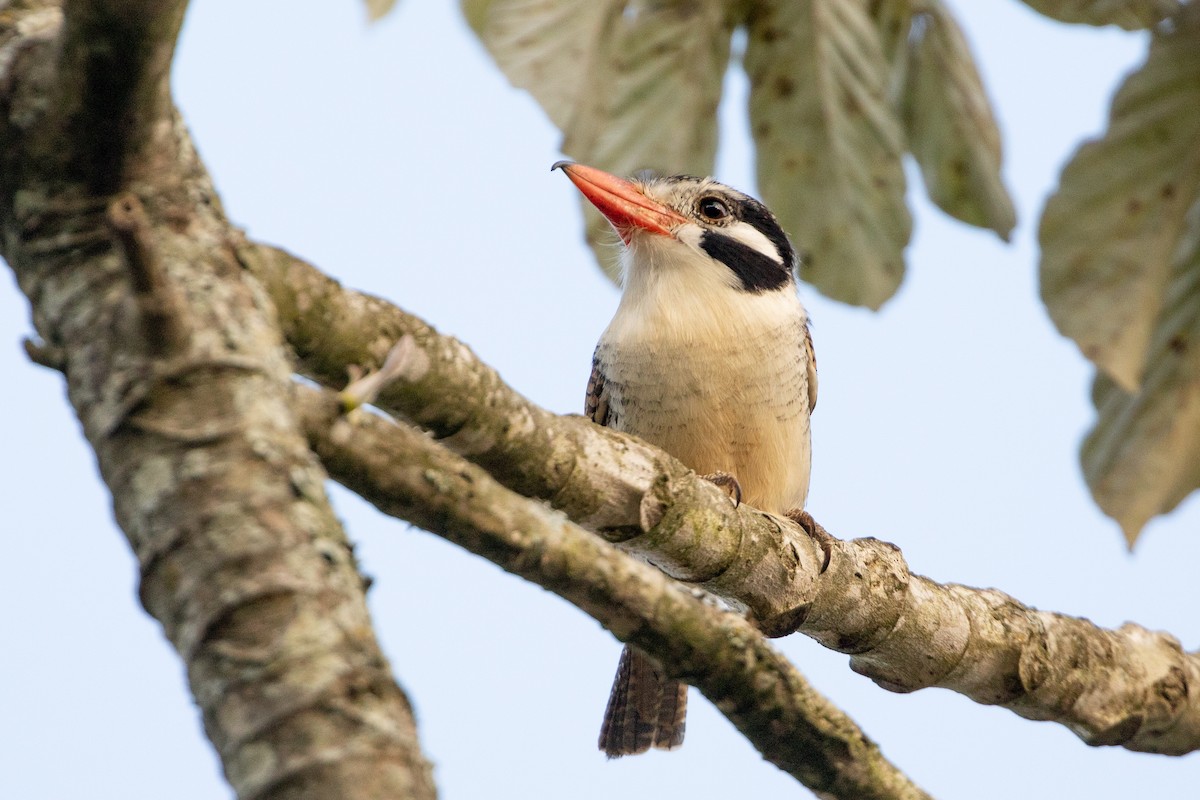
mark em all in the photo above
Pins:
pixel 757 272
pixel 763 221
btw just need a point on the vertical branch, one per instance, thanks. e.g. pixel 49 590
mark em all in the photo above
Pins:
pixel 112 84
pixel 176 368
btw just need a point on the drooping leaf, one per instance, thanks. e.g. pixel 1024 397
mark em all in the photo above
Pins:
pixel 829 144
pixel 951 129
pixel 546 47
pixel 935 87
pixel 1128 14
pixel 1109 231
pixel 378 8
pixel 1143 456
pixel 655 105
pixel 632 85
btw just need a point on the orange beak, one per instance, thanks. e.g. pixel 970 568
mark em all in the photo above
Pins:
pixel 622 202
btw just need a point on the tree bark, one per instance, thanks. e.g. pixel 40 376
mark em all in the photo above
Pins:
pixel 155 310
pixel 406 475
pixel 1129 687
pixel 176 369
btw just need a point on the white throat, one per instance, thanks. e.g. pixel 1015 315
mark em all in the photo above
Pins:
pixel 713 374
pixel 673 289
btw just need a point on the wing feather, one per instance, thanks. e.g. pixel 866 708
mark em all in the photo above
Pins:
pixel 595 405
pixel 810 359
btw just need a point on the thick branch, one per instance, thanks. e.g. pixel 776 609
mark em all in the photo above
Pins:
pixel 1128 687
pixel 409 476
pixel 610 483
pixel 241 558
pixel 331 328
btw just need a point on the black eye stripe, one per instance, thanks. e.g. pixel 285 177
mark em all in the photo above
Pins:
pixel 757 272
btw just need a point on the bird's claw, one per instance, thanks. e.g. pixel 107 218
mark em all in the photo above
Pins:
pixel 815 532
pixel 726 483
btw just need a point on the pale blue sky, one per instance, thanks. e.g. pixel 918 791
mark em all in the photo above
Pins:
pixel 398 159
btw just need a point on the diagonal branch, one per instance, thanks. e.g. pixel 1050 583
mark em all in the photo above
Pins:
pixel 1129 687
pixel 409 476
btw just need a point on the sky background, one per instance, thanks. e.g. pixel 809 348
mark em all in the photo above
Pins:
pixel 397 158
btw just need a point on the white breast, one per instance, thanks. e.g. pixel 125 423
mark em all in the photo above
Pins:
pixel 715 376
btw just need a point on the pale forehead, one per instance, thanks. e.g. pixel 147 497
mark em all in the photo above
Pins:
pixel 685 187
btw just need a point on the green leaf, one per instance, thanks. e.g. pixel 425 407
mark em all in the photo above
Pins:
pixel 1108 233
pixel 378 8
pixel 1143 456
pixel 633 85
pixel 1129 14
pixel 653 105
pixel 894 21
pixel 829 144
pixel 950 126
pixel 546 47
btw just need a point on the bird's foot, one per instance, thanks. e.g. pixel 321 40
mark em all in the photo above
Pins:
pixel 814 531
pixel 726 483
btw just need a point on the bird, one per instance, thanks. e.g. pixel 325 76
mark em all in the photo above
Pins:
pixel 709 356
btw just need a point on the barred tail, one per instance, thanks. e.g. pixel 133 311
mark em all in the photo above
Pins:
pixel 645 709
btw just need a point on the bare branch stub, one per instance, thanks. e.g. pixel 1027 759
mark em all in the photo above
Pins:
pixel 45 355
pixel 160 311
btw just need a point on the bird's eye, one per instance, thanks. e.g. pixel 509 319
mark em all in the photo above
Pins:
pixel 713 208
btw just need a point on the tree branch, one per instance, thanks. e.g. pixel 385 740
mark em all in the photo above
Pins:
pixel 409 476
pixel 111 89
pixel 241 557
pixel 1129 687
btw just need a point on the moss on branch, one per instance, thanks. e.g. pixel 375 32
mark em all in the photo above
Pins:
pixel 409 476
pixel 1129 687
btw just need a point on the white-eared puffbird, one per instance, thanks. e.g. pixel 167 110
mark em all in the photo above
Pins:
pixel 708 357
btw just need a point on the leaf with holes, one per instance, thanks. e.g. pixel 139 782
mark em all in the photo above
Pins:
pixel 1109 231
pixel 1143 456
pixel 829 144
